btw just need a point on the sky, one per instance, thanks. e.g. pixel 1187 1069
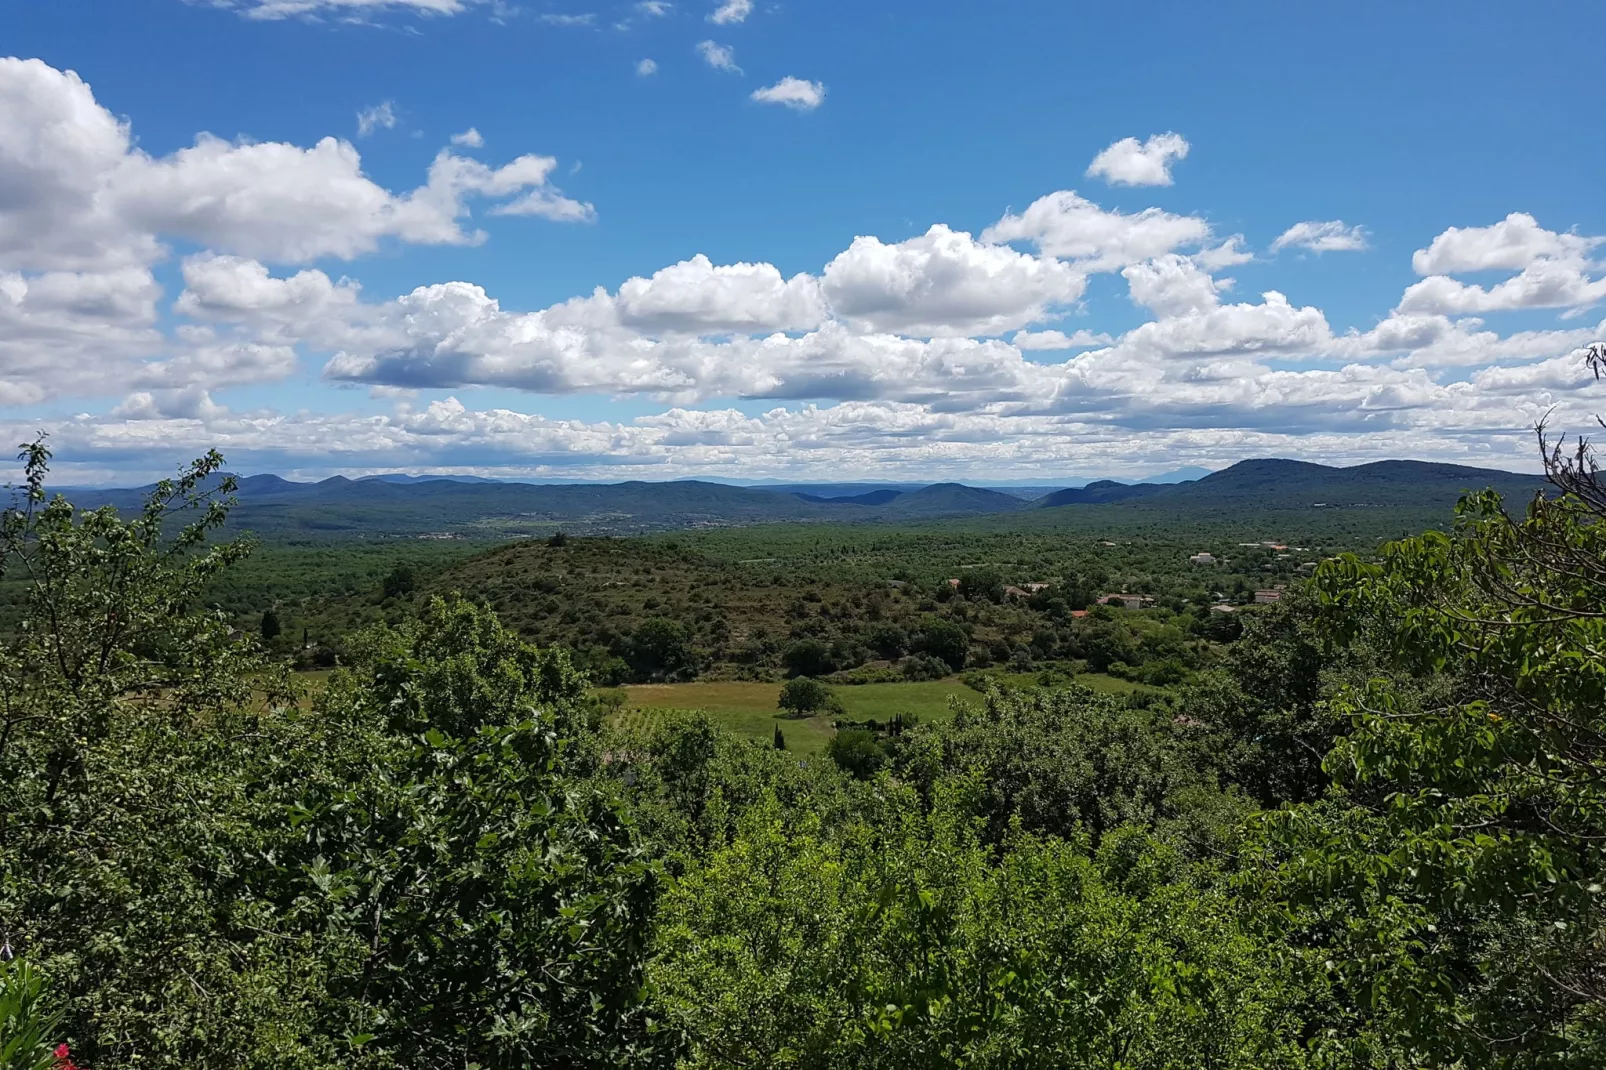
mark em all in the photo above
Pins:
pixel 807 240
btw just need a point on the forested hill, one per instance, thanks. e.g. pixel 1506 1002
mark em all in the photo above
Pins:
pixel 275 506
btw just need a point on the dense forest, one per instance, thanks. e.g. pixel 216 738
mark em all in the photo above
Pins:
pixel 1365 827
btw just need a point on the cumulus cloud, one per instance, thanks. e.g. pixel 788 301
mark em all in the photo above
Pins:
pixel 945 283
pixel 941 352
pixel 731 11
pixel 1129 162
pixel 697 297
pixel 1513 244
pixel 1172 286
pixel 1049 340
pixel 794 93
pixel 381 116
pixel 80 196
pixel 1330 237
pixel 469 139
pixel 646 68
pixel 720 57
pixel 1542 284
pixel 1066 224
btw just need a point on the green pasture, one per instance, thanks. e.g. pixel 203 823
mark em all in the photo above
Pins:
pixel 750 709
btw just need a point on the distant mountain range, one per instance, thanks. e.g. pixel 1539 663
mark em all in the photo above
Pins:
pixel 407 505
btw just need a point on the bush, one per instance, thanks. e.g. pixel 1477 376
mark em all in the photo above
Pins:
pixel 857 752
pixel 808 657
pixel 942 639
pixel 660 649
pixel 400 581
pixel 888 641
pixel 924 667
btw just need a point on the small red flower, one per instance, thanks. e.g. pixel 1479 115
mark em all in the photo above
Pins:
pixel 64 1058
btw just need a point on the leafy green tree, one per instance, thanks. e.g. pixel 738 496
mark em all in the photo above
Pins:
pixel 780 739
pixel 400 581
pixel 888 641
pixel 478 901
pixel 857 752
pixel 1465 889
pixel 805 697
pixel 808 657
pixel 420 870
pixel 660 649
pixel 270 625
pixel 981 583
pixel 943 639
pixel 902 940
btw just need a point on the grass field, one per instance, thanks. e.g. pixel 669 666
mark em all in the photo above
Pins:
pixel 749 709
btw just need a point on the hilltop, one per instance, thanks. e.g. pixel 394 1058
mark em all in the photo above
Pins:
pixel 342 507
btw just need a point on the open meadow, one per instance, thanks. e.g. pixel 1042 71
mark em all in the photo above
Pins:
pixel 749 708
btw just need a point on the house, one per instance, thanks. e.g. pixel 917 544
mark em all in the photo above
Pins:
pixel 1202 559
pixel 1035 587
pixel 1223 607
pixel 1128 601
pixel 954 584
pixel 1016 592
pixel 1265 597
pixel 1078 613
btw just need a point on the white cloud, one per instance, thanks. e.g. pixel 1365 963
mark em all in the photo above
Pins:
pixel 646 68
pixel 1512 244
pixel 1131 163
pixel 1049 340
pixel 80 196
pixel 1542 284
pixel 351 10
pixel 654 9
pixel 589 18
pixel 731 11
pixel 231 288
pixel 1065 224
pixel 794 93
pixel 945 283
pixel 697 297
pixel 469 139
pixel 1229 253
pixel 719 57
pixel 891 358
pixel 1172 286
pixel 381 116
pixel 1330 237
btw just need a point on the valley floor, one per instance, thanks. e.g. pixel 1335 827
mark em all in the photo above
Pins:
pixel 749 708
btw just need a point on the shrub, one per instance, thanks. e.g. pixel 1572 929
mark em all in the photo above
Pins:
pixel 807 657
pixel 942 639
pixel 924 667
pixel 857 752
pixel 400 581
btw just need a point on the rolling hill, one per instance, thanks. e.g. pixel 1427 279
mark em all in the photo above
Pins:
pixel 376 507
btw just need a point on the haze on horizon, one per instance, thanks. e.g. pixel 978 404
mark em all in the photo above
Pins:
pixel 792 242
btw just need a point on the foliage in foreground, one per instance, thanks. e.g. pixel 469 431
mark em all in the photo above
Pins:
pixel 413 872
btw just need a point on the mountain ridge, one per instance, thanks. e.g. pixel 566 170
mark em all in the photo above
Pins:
pixel 340 506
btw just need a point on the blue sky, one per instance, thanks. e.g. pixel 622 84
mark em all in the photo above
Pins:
pixel 168 294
